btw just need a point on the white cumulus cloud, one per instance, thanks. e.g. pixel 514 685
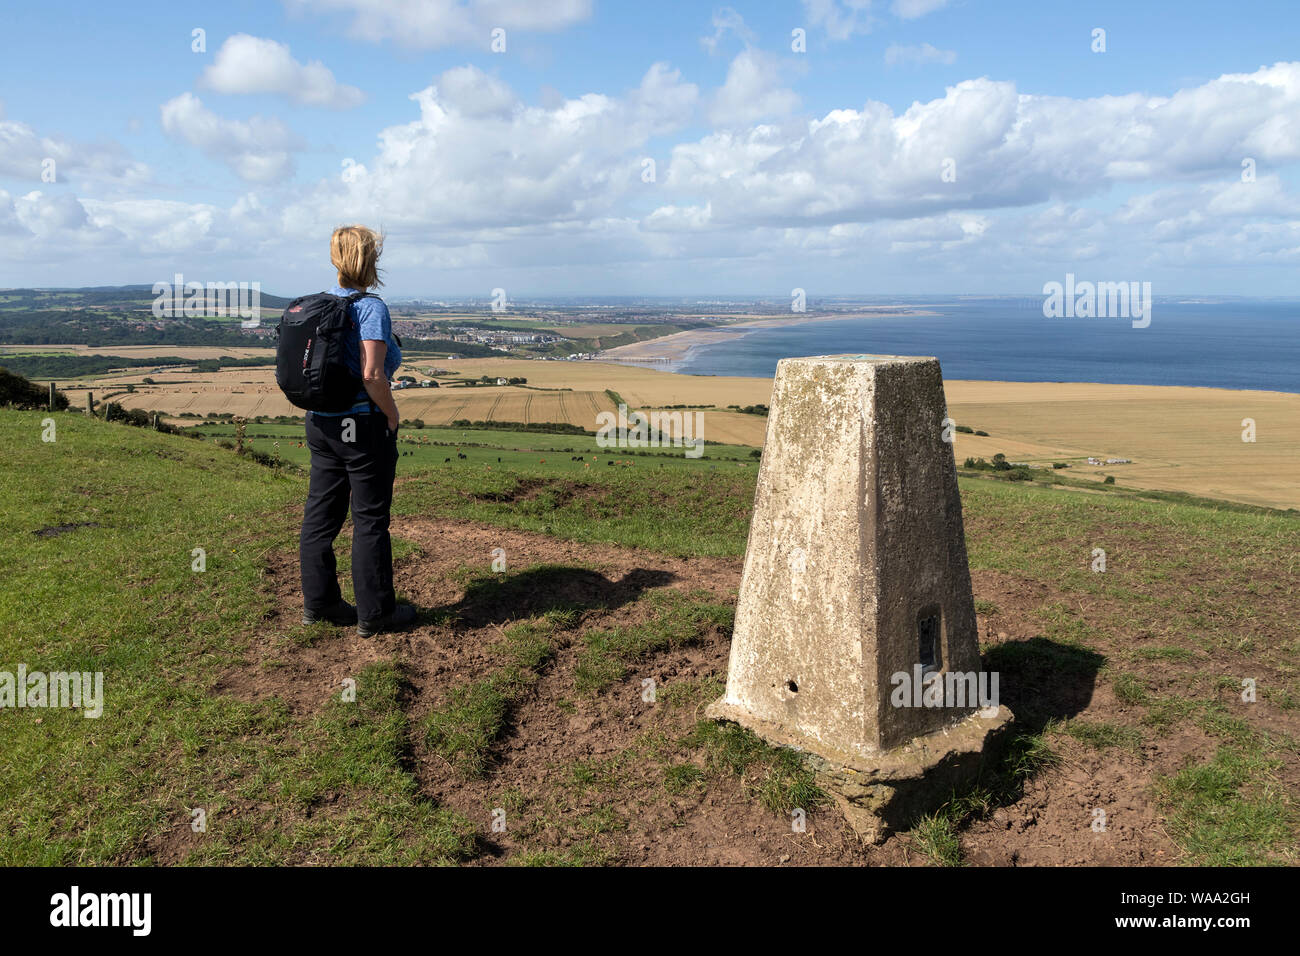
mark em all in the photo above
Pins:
pixel 478 158
pixel 752 91
pixel 26 155
pixel 249 64
pixel 257 150
pixel 1003 147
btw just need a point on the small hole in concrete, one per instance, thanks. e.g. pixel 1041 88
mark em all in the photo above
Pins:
pixel 794 688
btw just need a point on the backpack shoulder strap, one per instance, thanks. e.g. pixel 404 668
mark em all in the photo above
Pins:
pixel 358 296
pixel 352 300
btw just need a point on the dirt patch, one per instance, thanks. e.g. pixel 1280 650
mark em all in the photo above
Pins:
pixel 305 667
pixel 625 743
pixel 171 845
pixel 446 546
pixel 529 489
pixel 54 530
pixel 579 774
pixel 1096 810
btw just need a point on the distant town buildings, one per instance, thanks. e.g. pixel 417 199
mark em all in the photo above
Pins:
pixel 496 338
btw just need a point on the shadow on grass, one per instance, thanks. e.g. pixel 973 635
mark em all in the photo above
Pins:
pixel 497 600
pixel 1043 682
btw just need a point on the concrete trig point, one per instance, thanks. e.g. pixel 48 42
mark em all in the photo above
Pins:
pixel 856 572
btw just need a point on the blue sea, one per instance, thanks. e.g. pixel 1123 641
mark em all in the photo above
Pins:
pixel 1250 344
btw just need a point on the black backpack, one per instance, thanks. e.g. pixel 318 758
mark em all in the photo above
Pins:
pixel 309 364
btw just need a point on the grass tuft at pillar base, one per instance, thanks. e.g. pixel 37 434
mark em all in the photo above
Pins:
pixel 888 792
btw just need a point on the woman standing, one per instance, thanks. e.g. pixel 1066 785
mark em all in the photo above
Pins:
pixel 354 454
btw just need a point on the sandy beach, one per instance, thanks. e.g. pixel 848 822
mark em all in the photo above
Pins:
pixel 674 348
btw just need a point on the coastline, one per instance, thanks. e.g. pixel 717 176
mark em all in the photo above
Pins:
pixel 674 348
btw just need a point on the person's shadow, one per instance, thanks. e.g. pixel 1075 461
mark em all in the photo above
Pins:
pixel 529 593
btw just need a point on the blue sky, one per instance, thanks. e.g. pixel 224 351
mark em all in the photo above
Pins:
pixel 524 169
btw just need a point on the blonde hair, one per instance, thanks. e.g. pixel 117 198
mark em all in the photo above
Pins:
pixel 355 250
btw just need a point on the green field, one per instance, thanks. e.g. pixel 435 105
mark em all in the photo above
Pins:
pixel 98 530
pixel 516 449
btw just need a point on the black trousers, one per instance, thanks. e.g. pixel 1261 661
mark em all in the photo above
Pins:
pixel 351 456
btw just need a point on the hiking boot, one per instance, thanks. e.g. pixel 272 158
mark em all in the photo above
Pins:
pixel 403 615
pixel 342 614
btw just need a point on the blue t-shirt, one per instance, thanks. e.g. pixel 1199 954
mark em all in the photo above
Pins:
pixel 370 322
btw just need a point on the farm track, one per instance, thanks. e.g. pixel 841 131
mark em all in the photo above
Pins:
pixel 456 413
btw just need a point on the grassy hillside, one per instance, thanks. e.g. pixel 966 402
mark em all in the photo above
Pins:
pixel 522 691
pixel 126 297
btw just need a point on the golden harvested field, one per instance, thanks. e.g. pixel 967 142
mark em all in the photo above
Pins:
pixel 731 428
pixel 1180 439
pixel 252 391
pixel 503 404
pixel 641 387
pixel 213 396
